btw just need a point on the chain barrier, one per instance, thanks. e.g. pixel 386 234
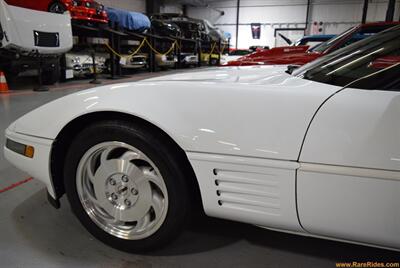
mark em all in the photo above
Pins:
pixel 130 55
pixel 158 52
pixel 144 41
pixel 223 49
pixel 212 50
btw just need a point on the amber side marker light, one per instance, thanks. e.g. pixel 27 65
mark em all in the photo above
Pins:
pixel 19 148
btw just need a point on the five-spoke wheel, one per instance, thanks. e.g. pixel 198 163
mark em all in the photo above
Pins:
pixel 122 190
pixel 126 184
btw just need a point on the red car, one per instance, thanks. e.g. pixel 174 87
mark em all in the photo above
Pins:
pixel 82 10
pixel 303 54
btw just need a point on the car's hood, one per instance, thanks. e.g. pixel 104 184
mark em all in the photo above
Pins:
pixel 276 51
pixel 219 110
pixel 293 59
pixel 246 74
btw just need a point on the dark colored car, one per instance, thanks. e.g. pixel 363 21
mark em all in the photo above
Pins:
pixel 81 10
pixel 301 55
pixel 189 29
pixel 165 28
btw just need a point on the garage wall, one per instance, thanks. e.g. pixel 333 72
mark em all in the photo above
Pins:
pixel 171 8
pixel 336 16
pixel 132 5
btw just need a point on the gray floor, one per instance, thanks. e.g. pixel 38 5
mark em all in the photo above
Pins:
pixel 33 234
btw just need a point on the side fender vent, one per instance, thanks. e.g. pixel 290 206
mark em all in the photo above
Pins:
pixel 248 191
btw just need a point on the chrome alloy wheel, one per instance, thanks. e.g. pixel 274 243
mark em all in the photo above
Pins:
pixel 122 190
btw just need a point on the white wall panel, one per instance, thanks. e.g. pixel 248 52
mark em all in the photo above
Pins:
pixel 171 8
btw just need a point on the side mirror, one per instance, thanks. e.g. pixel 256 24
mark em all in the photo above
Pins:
pixel 291 68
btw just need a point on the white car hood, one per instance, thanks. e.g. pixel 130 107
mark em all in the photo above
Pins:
pixel 246 74
pixel 256 111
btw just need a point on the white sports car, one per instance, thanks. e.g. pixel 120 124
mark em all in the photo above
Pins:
pixel 315 152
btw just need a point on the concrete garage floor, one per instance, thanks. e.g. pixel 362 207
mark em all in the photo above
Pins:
pixel 34 234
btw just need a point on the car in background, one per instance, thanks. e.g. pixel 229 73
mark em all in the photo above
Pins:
pixel 127 61
pixel 137 61
pixel 81 63
pixel 189 59
pixel 219 35
pixel 190 28
pixel 257 57
pixel 166 61
pixel 80 10
pixel 165 28
pixel 29 36
pixel 312 40
pixel 128 20
pixel 234 55
pixel 210 32
pixel 301 55
pixel 193 28
pixel 308 40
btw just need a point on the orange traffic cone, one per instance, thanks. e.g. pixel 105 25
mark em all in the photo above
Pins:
pixel 3 83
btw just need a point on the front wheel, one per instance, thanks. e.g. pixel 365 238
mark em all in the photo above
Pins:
pixel 125 186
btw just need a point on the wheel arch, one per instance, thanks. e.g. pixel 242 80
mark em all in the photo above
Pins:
pixel 69 131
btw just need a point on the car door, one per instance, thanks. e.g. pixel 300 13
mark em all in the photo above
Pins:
pixel 348 184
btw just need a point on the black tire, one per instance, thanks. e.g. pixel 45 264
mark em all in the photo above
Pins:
pixel 160 151
pixel 57 7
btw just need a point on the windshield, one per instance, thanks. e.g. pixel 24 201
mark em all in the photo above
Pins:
pixel 356 61
pixel 331 42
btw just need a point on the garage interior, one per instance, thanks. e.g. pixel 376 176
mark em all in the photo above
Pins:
pixel 34 234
